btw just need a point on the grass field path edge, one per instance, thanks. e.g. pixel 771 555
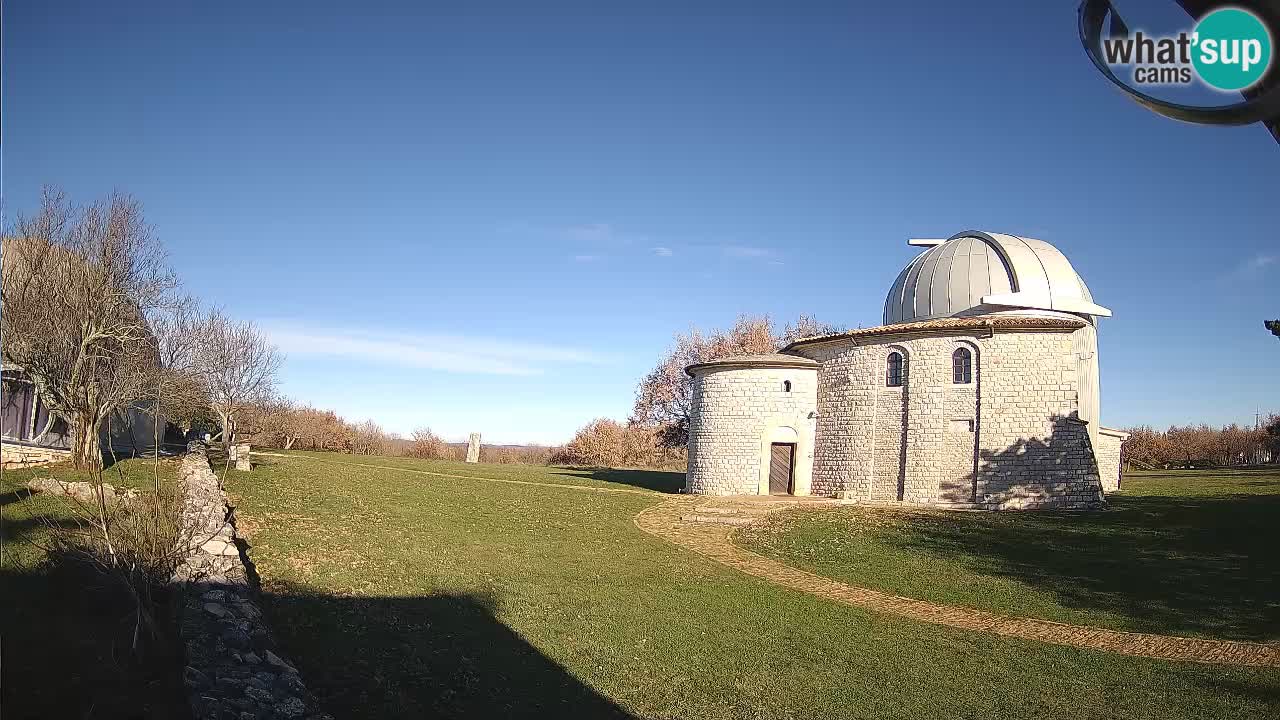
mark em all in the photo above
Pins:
pixel 715 541
pixel 509 481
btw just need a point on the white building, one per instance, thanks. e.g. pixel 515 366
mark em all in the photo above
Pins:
pixel 980 390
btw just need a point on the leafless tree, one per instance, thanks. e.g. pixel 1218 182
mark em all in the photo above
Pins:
pixel 80 287
pixel 664 398
pixel 236 365
pixel 805 326
pixel 180 396
pixel 1203 445
pixel 428 446
pixel 368 438
pixel 608 443
pixel 90 317
pixel 280 423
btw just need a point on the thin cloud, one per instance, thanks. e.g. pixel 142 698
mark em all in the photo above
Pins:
pixel 585 258
pixel 1261 261
pixel 591 232
pixel 1253 267
pixel 663 252
pixel 447 353
pixel 749 252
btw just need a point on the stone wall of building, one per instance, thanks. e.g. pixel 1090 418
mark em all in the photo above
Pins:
pixel 13 455
pixel 737 411
pixel 1110 457
pixel 1009 439
pixel 1035 452
pixel 888 467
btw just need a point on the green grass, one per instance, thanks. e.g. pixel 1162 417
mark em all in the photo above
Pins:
pixel 66 634
pixel 1188 553
pixel 406 594
pixel 654 480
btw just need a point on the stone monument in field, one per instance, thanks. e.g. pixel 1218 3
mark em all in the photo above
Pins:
pixel 473 448
pixel 240 455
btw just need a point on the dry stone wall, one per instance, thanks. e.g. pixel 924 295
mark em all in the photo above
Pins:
pixel 233 670
pixel 735 409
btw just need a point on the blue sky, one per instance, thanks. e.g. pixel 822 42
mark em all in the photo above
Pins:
pixel 494 217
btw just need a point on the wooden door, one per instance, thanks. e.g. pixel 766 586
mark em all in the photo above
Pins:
pixel 782 463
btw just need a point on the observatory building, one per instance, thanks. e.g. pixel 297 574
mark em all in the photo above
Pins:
pixel 980 390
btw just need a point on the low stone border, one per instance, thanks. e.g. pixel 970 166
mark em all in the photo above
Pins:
pixel 82 492
pixel 233 671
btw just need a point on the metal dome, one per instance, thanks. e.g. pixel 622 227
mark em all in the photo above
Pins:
pixel 972 273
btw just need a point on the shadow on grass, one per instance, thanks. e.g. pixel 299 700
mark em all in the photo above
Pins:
pixel 1195 563
pixel 657 480
pixel 13 496
pixel 433 656
pixel 1168 564
pixel 67 650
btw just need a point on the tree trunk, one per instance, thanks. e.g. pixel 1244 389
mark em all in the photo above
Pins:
pixel 225 422
pixel 86 447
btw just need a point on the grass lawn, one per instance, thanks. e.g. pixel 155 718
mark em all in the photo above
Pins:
pixel 402 593
pixel 1188 553
pixel 66 638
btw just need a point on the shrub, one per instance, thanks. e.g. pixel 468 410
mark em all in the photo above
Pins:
pixel 608 443
pixel 516 455
pixel 133 542
pixel 1203 445
pixel 428 446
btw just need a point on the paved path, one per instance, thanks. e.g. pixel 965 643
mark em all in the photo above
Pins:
pixel 702 534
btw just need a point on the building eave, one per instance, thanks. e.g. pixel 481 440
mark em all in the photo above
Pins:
pixel 967 325
pixel 795 362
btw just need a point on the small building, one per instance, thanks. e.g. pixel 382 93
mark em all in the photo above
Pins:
pixel 979 390
pixel 31 435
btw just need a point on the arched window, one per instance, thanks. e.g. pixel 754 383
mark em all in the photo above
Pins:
pixel 893 370
pixel 962 366
pixel 786 386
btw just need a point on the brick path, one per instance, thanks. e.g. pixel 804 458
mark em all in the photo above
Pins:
pixel 711 539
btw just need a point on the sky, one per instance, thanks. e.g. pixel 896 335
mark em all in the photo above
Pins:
pixel 494 217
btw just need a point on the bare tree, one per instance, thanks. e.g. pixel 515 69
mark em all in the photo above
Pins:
pixel 236 365
pixel 664 398
pixel 80 285
pixel 368 438
pixel 428 446
pixel 280 423
pixel 1202 445
pixel 805 326
pixel 608 443
pixel 180 397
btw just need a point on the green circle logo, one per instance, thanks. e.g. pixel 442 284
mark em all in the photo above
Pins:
pixel 1232 49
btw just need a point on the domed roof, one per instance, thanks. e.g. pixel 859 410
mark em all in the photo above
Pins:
pixel 973 273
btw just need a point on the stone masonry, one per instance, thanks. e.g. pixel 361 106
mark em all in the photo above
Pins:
pixel 1109 450
pixel 738 411
pixel 1009 439
pixel 233 670
pixel 1020 428
pixel 14 455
